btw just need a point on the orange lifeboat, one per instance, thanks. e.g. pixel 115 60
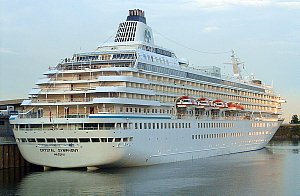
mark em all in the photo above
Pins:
pixel 235 106
pixel 220 104
pixel 185 101
pixel 204 103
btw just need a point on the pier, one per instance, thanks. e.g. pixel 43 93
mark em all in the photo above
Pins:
pixel 10 156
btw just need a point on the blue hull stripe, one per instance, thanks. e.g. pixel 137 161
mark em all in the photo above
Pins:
pixel 136 117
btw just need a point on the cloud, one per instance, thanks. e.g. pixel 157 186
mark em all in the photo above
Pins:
pixel 6 51
pixel 210 29
pixel 291 4
pixel 217 5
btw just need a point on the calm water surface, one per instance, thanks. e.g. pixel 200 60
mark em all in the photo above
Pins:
pixel 274 170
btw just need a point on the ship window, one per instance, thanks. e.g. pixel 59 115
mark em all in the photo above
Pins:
pixel 145 125
pixel 149 125
pixel 72 140
pixel 40 140
pixel 125 139
pixel 23 139
pixel 110 139
pixel 192 136
pixel 118 125
pixel 153 125
pixel 95 139
pixel 118 139
pixel 50 139
pixel 103 139
pixel 31 139
pixel 141 125
pixel 131 139
pixel 61 139
pixel 84 139
pixel 161 125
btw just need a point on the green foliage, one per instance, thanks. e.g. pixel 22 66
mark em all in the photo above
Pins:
pixel 295 119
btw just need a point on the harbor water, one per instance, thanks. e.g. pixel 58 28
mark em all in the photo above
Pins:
pixel 270 171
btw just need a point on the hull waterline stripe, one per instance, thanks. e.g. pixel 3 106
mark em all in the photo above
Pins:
pixel 136 117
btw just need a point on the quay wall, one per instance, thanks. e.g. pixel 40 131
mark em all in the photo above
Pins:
pixel 10 157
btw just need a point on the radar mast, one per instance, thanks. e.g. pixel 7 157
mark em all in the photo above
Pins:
pixel 235 62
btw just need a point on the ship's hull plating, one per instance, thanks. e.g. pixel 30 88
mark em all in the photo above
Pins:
pixel 146 146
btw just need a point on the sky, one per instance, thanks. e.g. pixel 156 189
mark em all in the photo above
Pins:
pixel 263 33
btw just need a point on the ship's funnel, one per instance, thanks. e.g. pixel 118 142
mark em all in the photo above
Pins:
pixel 136 15
pixel 135 29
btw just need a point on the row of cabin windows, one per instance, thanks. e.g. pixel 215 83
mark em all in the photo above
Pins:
pixel 240 97
pixel 259 133
pixel 161 125
pixel 236 134
pixel 216 135
pixel 264 124
pixel 211 135
pixel 215 125
pixel 189 75
pixel 144 110
pixel 73 140
pixel 156 50
pixel 154 59
pixel 246 95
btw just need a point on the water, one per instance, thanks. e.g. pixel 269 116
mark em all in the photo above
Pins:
pixel 271 171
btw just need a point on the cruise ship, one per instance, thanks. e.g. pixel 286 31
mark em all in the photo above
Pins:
pixel 133 103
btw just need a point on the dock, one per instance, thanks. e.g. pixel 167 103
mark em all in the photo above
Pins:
pixel 10 156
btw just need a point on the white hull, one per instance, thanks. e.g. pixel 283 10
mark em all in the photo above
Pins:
pixel 150 146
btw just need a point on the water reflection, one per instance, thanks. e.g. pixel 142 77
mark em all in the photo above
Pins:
pixel 282 146
pixel 270 171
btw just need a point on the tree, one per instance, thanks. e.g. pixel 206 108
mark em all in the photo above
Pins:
pixel 295 119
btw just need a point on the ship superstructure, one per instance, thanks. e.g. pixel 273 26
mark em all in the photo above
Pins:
pixel 132 103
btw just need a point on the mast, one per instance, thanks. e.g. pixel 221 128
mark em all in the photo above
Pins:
pixel 235 66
